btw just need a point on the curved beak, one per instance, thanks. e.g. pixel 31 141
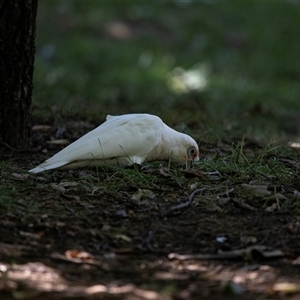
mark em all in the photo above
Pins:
pixel 195 159
pixel 192 160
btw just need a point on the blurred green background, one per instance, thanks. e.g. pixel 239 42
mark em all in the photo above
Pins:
pixel 231 66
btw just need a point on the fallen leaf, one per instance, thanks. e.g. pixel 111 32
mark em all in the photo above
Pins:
pixel 286 288
pixel 41 127
pixel 248 239
pixel 296 194
pixel 143 193
pixel 57 187
pixel 296 261
pixel 259 191
pixel 271 208
pixel 193 186
pixel 164 172
pixel 40 178
pixel 123 237
pixel 20 176
pixel 222 201
pixel 78 254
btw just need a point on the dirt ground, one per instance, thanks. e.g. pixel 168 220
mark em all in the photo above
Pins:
pixel 111 235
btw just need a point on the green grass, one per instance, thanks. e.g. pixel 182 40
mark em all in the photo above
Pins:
pixel 104 58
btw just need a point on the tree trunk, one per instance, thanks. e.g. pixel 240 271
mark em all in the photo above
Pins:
pixel 17 49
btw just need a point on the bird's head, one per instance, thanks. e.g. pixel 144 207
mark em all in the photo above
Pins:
pixel 185 150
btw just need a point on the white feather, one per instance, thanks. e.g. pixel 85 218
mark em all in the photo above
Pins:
pixel 123 140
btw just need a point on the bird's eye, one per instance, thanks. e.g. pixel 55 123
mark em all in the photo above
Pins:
pixel 191 151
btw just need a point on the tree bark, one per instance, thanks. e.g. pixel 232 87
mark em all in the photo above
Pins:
pixel 17 50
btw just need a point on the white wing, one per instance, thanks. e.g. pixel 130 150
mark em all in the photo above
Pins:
pixel 127 138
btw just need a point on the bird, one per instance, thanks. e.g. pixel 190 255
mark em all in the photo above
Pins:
pixel 125 140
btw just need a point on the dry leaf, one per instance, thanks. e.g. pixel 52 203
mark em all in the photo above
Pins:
pixel 222 201
pixel 286 288
pixel 164 172
pixel 193 186
pixel 248 239
pixel 41 127
pixel 58 142
pixel 77 254
pixel 123 237
pixel 40 178
pixel 57 187
pixel 259 191
pixel 143 193
pixel 296 194
pixel 20 176
pixel 271 208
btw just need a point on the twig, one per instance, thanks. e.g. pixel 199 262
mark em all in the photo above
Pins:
pixel 185 204
pixel 7 146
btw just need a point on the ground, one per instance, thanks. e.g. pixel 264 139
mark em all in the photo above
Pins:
pixel 152 232
pixel 225 73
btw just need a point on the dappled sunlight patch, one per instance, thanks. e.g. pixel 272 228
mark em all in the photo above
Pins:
pixel 113 291
pixel 257 277
pixel 196 78
pixel 38 278
pixel 35 275
pixel 285 288
pixel 249 253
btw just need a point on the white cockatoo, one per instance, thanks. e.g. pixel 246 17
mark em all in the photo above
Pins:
pixel 125 140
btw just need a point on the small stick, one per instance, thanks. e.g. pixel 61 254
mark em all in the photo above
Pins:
pixel 7 146
pixel 185 204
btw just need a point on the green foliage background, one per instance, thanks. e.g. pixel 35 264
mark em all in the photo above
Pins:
pixel 209 64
